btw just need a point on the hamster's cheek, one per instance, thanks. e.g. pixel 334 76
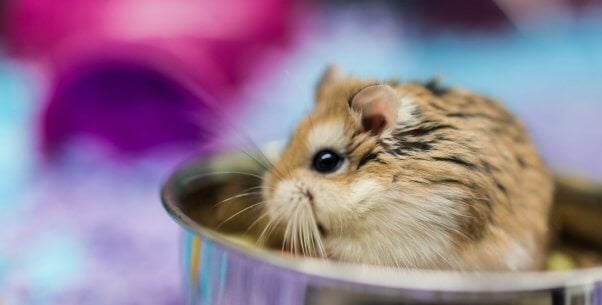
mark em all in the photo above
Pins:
pixel 362 193
pixel 338 203
pixel 330 204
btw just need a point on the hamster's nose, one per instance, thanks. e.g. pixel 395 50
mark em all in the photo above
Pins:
pixel 302 189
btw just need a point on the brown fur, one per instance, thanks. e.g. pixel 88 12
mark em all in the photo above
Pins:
pixel 461 141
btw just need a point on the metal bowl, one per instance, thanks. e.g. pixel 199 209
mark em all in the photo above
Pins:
pixel 219 270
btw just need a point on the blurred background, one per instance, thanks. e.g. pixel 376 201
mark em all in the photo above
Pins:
pixel 100 100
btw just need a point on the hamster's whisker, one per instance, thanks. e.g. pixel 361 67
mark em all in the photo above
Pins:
pixel 258 187
pixel 264 236
pixel 306 236
pixel 313 237
pixel 238 213
pixel 285 237
pixel 236 197
pixel 260 163
pixel 254 223
pixel 300 227
pixel 272 229
pixel 319 241
pixel 272 166
pixel 295 230
pixel 265 163
pixel 246 192
pixel 316 234
pixel 260 153
pixel 261 238
pixel 192 178
pixel 223 116
pixel 287 240
pixel 295 233
pixel 302 233
pixel 238 132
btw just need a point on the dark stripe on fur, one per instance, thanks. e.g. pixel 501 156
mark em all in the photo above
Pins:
pixel 456 160
pixel 422 130
pixel 371 156
pixel 505 120
pixel 501 187
pixel 405 147
pixel 435 87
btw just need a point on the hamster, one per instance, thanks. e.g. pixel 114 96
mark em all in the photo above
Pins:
pixel 412 176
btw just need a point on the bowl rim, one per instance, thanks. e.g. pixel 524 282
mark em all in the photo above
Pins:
pixel 431 280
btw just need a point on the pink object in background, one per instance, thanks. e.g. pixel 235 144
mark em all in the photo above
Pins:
pixel 210 45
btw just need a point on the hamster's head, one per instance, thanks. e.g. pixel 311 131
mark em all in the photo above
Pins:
pixel 329 174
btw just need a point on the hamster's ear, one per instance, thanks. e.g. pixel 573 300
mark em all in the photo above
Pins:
pixel 378 106
pixel 331 75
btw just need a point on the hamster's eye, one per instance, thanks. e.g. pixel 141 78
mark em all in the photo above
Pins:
pixel 327 161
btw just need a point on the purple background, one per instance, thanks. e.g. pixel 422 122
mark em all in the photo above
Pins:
pixel 95 113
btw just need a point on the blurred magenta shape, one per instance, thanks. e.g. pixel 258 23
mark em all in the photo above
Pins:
pixel 127 71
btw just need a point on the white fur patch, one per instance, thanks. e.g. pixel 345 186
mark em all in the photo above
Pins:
pixel 405 114
pixel 518 256
pixel 361 189
pixel 287 194
pixel 330 134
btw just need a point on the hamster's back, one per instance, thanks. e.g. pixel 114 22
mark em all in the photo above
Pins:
pixel 473 142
